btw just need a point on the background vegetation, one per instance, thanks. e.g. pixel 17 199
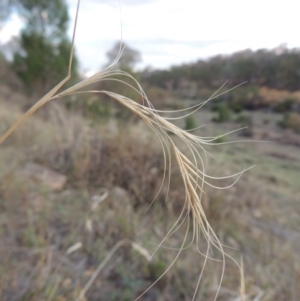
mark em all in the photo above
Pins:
pixel 53 237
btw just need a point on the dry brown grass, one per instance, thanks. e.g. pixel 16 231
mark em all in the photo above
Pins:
pixel 271 96
pixel 83 161
pixel 39 226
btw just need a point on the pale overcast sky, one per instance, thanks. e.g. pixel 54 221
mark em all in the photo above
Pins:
pixel 169 32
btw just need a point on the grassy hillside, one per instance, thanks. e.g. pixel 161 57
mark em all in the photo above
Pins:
pixel 52 241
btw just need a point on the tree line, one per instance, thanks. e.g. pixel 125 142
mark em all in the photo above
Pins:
pixel 43 48
pixel 277 69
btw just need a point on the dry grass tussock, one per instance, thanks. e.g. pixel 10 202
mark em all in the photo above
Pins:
pixel 192 165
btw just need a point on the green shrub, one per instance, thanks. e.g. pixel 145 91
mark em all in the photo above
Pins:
pixel 220 139
pixel 92 107
pixel 244 120
pixel 190 123
pixel 236 107
pixel 98 109
pixel 285 106
pixel 224 113
pixel 214 105
pixel 290 121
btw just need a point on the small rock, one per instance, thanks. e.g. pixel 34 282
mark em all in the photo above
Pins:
pixel 120 194
pixel 119 197
pixel 46 176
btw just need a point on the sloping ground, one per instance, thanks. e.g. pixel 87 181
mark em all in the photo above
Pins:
pixel 53 242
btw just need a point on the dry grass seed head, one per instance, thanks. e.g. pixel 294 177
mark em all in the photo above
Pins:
pixel 193 172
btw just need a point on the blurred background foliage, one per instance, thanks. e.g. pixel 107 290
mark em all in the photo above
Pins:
pixel 101 149
pixel 42 55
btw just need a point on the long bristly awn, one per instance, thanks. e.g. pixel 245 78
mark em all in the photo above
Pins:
pixel 192 168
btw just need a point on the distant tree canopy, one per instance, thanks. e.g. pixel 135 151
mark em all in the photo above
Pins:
pixel 44 47
pixel 128 59
pixel 126 63
pixel 263 68
pixel 49 18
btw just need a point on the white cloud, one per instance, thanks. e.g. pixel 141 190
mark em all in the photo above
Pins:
pixel 169 32
pixel 11 29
